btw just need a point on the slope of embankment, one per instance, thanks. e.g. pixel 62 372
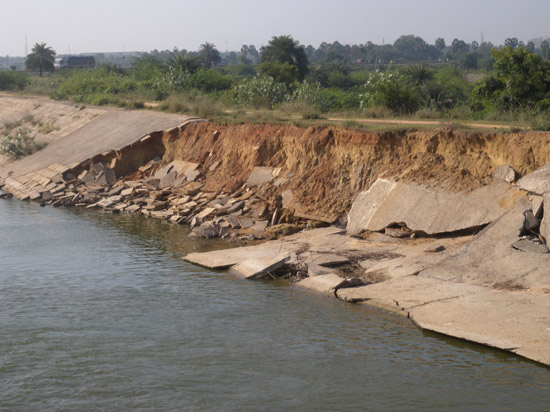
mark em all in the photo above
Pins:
pixel 73 132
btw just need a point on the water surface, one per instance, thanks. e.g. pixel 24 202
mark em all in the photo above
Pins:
pixel 99 312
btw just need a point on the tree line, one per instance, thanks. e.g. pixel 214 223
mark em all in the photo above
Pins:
pixel 408 77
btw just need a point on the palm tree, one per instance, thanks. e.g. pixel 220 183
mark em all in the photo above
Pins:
pixel 183 63
pixel 284 49
pixel 209 55
pixel 41 58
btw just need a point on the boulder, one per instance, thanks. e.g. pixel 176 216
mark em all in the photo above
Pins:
pixel 505 173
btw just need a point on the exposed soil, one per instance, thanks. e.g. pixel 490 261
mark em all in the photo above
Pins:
pixel 325 167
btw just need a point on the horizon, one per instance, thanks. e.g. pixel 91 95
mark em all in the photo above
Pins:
pixel 144 27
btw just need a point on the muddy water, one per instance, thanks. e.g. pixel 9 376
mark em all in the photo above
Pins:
pixel 99 312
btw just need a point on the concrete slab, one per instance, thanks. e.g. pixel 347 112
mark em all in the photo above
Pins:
pixel 537 182
pixel 513 321
pixel 260 175
pixel 259 267
pixel 545 224
pixel 528 246
pixel 490 260
pixel 110 129
pixel 325 238
pixel 426 210
pixel 326 284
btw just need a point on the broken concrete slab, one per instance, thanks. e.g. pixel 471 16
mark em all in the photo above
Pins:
pixel 490 260
pixel 545 224
pixel 427 210
pixel 537 182
pixel 261 266
pixel 536 203
pixel 324 259
pixel 204 213
pixel 246 222
pixel 505 173
pixel 168 179
pixel 516 322
pixel 526 245
pixel 260 225
pixel 327 284
pixel 329 238
pixel 259 176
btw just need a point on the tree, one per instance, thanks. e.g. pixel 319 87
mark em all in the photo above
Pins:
pixel 440 43
pixel 511 42
pixel 458 47
pixel 545 47
pixel 183 63
pixel 210 56
pixel 284 49
pixel 41 58
pixel 521 79
pixel 469 61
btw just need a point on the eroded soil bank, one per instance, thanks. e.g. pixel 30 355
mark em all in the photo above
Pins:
pixel 326 167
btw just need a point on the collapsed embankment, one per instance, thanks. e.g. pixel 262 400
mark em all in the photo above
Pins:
pixel 326 167
pixel 241 181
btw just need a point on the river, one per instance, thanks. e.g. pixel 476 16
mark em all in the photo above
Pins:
pixel 99 312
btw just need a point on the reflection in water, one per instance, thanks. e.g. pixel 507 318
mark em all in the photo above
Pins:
pixel 99 312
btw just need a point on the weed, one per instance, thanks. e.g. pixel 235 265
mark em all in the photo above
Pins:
pixel 20 144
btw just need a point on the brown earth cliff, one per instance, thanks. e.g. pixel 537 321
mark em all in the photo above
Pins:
pixel 325 167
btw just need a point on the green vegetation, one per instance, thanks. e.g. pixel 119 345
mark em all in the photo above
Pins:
pixel 41 58
pixel 287 81
pixel 13 81
pixel 19 144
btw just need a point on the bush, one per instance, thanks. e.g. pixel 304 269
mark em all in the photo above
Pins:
pixel 309 93
pixel 260 92
pixel 393 90
pixel 541 122
pixel 210 80
pixel 336 99
pixel 20 144
pixel 11 81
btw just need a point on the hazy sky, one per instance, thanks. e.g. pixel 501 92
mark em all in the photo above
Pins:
pixel 144 25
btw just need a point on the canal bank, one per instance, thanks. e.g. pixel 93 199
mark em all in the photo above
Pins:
pixel 431 232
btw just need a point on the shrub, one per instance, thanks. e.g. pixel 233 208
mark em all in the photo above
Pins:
pixel 20 144
pixel 260 92
pixel 210 80
pixel 393 90
pixel 309 93
pixel 13 80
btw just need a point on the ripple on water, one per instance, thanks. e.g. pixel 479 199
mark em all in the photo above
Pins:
pixel 99 312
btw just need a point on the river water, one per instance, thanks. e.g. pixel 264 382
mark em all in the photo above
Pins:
pixel 99 312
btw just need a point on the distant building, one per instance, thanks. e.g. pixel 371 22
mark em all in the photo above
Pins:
pixel 74 62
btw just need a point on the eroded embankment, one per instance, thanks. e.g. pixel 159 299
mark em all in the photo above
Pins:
pixel 252 181
pixel 326 167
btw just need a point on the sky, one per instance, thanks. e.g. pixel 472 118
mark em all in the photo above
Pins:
pixel 87 26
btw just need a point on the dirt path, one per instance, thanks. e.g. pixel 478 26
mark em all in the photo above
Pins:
pixel 418 122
